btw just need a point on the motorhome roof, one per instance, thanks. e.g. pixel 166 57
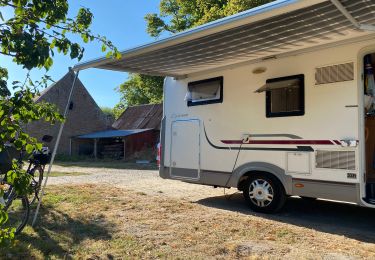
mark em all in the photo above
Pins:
pixel 273 30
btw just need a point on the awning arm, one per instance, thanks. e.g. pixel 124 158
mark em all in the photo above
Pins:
pixel 345 12
pixel 41 194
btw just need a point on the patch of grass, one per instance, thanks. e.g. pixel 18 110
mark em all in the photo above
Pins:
pixel 67 222
pixel 113 164
pixel 103 222
pixel 89 162
pixel 86 161
pixel 59 174
pixel 282 233
pixel 72 158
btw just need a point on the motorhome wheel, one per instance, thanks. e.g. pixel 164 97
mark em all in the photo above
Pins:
pixel 264 193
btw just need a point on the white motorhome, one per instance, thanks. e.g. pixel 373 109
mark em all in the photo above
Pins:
pixel 275 101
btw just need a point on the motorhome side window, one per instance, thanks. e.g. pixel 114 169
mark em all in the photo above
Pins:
pixel 204 92
pixel 285 96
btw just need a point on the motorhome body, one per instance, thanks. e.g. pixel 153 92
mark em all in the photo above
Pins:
pixel 222 144
pixel 274 101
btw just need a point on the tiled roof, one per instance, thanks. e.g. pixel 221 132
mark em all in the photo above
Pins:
pixel 140 117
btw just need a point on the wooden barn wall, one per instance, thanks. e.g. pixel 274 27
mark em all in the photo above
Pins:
pixel 113 147
pixel 141 141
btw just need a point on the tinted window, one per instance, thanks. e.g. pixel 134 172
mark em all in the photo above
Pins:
pixel 285 96
pixel 205 92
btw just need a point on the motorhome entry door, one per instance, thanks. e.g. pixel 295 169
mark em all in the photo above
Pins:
pixel 185 149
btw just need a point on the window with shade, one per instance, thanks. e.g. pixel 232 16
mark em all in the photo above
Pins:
pixel 204 92
pixel 285 96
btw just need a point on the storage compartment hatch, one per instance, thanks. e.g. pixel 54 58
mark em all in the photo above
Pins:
pixel 185 149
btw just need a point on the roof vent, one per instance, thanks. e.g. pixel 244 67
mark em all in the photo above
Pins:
pixel 335 73
pixel 342 160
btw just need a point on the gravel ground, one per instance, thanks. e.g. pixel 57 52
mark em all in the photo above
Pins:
pixel 147 181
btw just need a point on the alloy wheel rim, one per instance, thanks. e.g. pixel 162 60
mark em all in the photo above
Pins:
pixel 261 193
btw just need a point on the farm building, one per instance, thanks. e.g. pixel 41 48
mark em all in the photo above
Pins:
pixel 85 116
pixel 135 135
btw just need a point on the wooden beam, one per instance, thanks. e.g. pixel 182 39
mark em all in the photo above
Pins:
pixel 124 147
pixel 70 147
pixel 96 148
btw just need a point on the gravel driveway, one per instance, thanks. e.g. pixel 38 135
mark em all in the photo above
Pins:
pixel 147 181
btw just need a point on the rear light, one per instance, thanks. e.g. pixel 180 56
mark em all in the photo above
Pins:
pixel 158 154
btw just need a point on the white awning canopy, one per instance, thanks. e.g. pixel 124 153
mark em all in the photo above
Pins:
pixel 274 30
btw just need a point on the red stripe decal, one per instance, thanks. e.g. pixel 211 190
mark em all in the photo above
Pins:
pixel 281 142
pixel 337 142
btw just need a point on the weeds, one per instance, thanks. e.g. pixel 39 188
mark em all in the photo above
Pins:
pixel 102 222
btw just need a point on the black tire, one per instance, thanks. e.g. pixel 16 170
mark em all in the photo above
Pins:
pixel 36 183
pixel 18 209
pixel 264 193
pixel 309 199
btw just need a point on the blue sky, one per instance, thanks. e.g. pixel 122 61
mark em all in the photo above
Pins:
pixel 122 22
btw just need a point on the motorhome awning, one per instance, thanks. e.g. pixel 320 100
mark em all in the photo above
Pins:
pixel 274 30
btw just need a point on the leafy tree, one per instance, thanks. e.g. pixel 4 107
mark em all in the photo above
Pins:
pixel 36 30
pixel 108 111
pixel 176 16
pixel 139 89
pixel 179 15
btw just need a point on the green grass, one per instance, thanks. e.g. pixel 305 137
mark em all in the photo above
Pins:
pixel 113 164
pixel 70 225
pixel 59 174
pixel 73 158
pixel 130 163
pixel 104 222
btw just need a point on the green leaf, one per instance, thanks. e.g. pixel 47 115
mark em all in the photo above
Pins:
pixel 39 146
pixel 29 148
pixel 53 44
pixel 85 38
pixel 19 10
pixel 48 64
pixel 3 216
pixel 74 51
pixel 109 54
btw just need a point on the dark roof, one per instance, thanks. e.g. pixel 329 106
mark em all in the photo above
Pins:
pixel 112 133
pixel 58 93
pixel 66 80
pixel 140 117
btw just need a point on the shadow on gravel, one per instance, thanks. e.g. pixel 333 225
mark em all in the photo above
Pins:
pixel 336 218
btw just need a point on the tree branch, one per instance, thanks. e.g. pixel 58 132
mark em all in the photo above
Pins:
pixel 6 3
pixel 7 54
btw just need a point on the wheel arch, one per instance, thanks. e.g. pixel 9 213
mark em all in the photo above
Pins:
pixel 244 171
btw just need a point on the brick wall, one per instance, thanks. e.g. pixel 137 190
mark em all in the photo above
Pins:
pixel 85 116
